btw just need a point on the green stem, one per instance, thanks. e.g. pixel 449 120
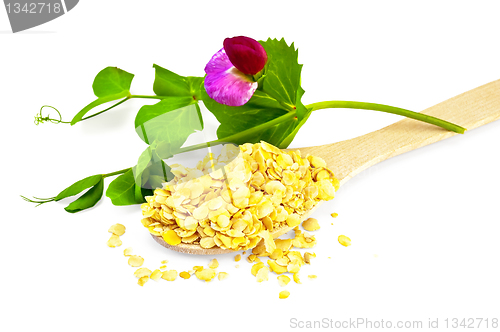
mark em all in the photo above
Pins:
pixel 148 97
pixel 388 109
pixel 241 134
pixel 116 173
pixel 107 109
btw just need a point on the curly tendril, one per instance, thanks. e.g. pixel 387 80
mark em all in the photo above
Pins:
pixel 40 119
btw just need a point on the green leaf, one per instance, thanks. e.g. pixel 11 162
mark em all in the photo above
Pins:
pixel 111 81
pixel 79 186
pixel 151 170
pixel 282 80
pixel 171 121
pixel 87 200
pixel 121 190
pixel 168 83
pixel 110 84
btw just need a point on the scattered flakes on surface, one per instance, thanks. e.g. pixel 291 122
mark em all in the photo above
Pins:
pixel 256 267
pixel 237 258
pixel 117 229
pixel 223 275
pixel 263 274
pixel 334 215
pixel 185 275
pixel 308 256
pixel 284 294
pixel 169 275
pixel 303 239
pixel 312 276
pixel 310 224
pixel 164 261
pixel 139 273
pixel 205 274
pixel 135 261
pixel 127 252
pixel 283 280
pixel 213 264
pixel 344 240
pixel 163 267
pixel 244 252
pixel 237 266
pixel 114 241
pixel 142 280
pixel 296 278
pixel 156 275
pixel 329 258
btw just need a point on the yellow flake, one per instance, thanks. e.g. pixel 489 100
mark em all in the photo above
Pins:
pixel 277 253
pixel 169 275
pixel 334 215
pixel 205 274
pixel 139 273
pixel 303 240
pixel 293 220
pixel 268 241
pixel 114 241
pixel 278 269
pixel 163 267
pixel 197 268
pixel 284 245
pixel 156 275
pixel 308 256
pixel 283 280
pixel 311 224
pixel 184 275
pixel 117 229
pixel 142 280
pixel 344 240
pixel 135 261
pixel 222 276
pixel 256 267
pixel 213 264
pixel 293 267
pixel 164 261
pixel 284 294
pixel 263 274
pixel 237 258
pixel 312 276
pixel 171 238
pixel 207 242
pixel 127 252
pixel 237 266
pixel 296 278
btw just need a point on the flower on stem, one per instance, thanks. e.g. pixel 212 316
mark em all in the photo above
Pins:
pixel 230 71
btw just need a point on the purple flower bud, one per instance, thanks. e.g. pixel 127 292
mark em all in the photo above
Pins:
pixel 246 54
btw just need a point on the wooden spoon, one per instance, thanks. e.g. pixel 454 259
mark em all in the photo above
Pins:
pixel 348 158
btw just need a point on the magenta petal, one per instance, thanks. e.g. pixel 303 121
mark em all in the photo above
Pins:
pixel 226 84
pixel 246 54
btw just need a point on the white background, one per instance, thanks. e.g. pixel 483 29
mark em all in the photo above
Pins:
pixel 424 225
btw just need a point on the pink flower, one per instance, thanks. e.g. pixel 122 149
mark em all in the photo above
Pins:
pixel 229 79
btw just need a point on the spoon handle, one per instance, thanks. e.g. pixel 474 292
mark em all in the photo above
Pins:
pixel 471 109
